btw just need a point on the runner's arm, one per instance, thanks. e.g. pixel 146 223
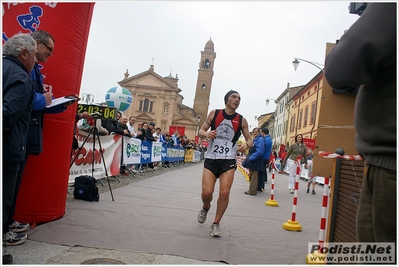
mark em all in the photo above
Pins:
pixel 203 132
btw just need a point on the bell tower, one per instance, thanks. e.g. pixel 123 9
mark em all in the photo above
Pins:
pixel 204 82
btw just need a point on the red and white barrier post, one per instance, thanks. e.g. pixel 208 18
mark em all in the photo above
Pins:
pixel 314 256
pixel 293 225
pixel 272 202
pixel 324 212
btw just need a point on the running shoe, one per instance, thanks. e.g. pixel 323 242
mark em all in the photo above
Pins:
pixel 18 227
pixel 216 230
pixel 202 215
pixel 13 239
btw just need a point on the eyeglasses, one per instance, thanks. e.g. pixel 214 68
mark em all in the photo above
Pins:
pixel 50 49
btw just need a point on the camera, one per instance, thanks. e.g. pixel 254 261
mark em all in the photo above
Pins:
pixel 357 8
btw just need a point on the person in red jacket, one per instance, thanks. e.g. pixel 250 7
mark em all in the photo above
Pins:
pixel 282 160
pixel 273 158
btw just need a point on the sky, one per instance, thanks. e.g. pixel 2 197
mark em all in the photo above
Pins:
pixel 255 43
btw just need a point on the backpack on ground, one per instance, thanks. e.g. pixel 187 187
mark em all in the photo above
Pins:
pixel 86 188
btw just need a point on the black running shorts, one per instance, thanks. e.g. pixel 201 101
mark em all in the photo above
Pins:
pixel 219 166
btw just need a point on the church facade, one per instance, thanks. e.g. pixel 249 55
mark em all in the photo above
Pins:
pixel 158 99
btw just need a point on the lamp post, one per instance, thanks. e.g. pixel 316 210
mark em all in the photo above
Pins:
pixel 268 101
pixel 296 63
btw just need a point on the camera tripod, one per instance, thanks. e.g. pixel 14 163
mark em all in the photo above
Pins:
pixel 94 132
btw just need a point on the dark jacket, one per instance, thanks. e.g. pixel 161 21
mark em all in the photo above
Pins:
pixel 142 135
pixel 17 107
pixel 170 143
pixel 148 135
pixel 366 56
pixel 112 126
pixel 268 148
pixel 34 143
pixel 255 161
pixel 120 129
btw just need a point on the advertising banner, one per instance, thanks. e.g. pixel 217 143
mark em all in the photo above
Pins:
pixel 197 156
pixel 310 143
pixel 188 157
pixel 83 156
pixel 156 153
pixel 131 150
pixel 175 154
pixel 146 150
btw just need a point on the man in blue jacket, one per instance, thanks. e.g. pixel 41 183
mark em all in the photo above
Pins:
pixel 18 60
pixel 262 175
pixel 255 161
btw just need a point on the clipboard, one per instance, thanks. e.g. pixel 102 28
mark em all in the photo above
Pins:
pixel 62 100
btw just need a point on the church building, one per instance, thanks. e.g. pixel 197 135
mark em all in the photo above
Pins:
pixel 157 99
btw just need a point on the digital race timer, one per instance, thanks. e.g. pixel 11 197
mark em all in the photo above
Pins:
pixel 104 112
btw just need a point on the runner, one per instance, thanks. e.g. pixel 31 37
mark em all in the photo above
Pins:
pixel 220 160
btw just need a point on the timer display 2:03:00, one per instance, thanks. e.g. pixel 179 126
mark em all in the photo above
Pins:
pixel 105 112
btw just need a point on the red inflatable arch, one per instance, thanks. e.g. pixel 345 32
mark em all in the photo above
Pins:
pixel 42 196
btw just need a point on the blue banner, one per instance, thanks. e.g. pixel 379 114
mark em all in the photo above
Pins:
pixel 146 148
pixel 172 154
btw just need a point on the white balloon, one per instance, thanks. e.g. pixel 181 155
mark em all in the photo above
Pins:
pixel 118 97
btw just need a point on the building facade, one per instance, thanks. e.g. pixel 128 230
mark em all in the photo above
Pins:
pixel 158 99
pixel 281 118
pixel 303 107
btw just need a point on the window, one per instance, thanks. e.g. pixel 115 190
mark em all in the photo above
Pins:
pixel 285 126
pixel 292 128
pixel 313 113
pixel 305 117
pixel 146 102
pixel 300 119
pixel 146 105
pixel 206 64
pixel 282 106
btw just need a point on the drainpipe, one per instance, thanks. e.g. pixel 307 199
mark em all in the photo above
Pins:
pixel 297 117
pixel 315 109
